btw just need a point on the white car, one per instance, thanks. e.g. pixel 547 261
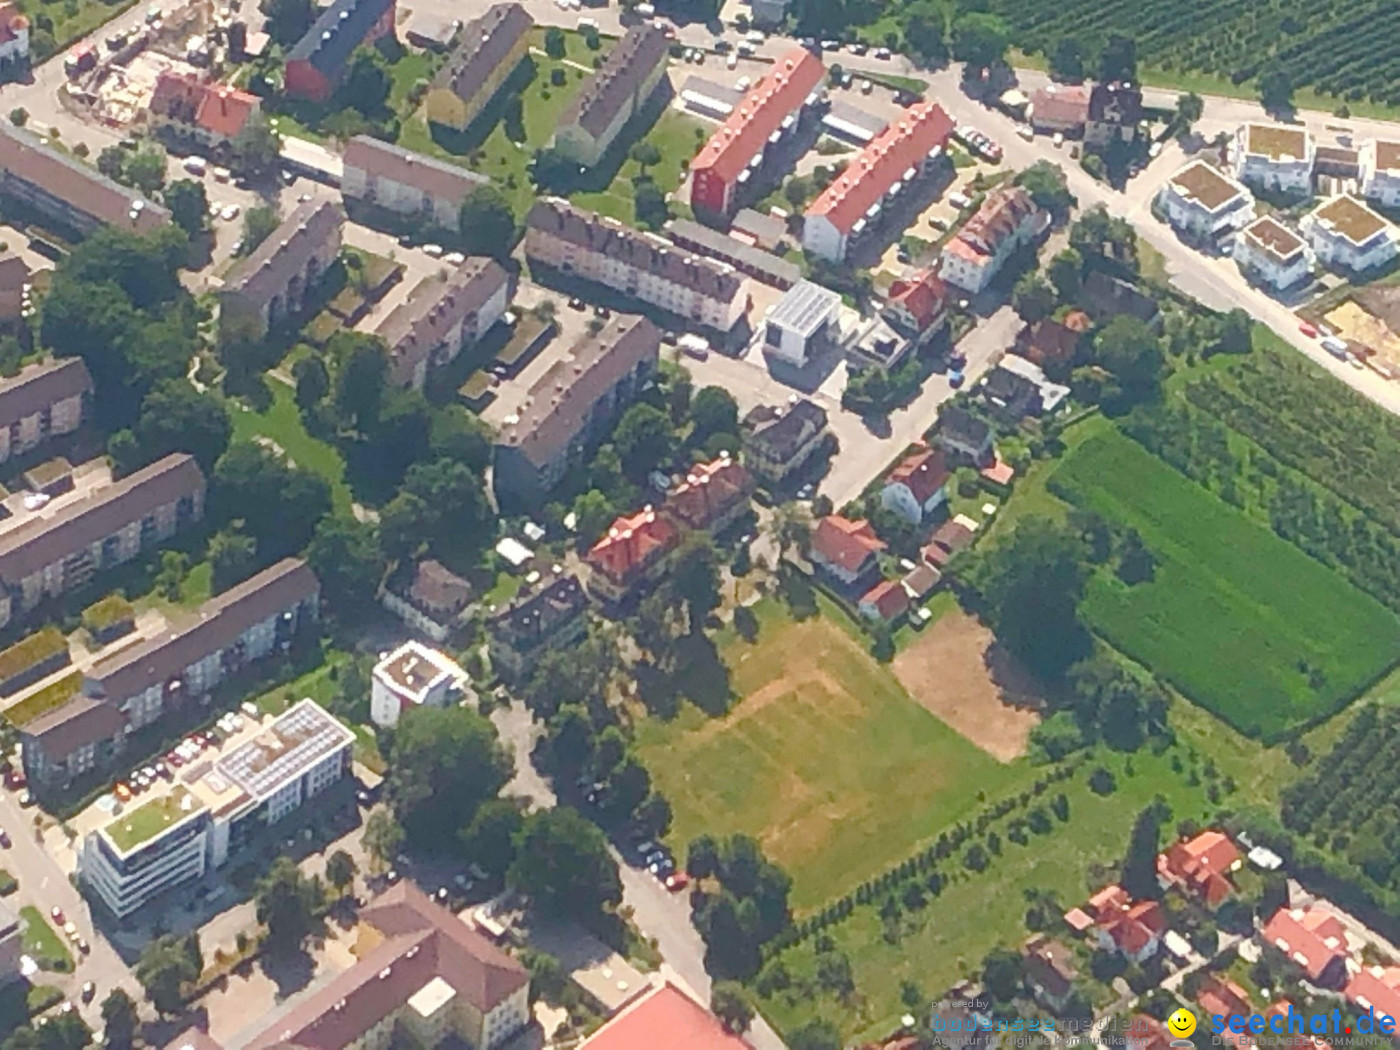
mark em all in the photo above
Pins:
pixel 433 251
pixel 454 258
pixel 231 212
pixel 732 62
pixel 196 166
pixel 866 87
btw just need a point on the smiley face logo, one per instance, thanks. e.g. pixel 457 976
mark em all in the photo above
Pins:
pixel 1182 1023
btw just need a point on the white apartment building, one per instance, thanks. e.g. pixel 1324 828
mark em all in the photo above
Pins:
pixel 413 675
pixel 410 184
pixel 649 268
pixel 192 826
pixel 1273 157
pixel 1346 234
pixel 1273 254
pixel 1202 202
pixel 1380 172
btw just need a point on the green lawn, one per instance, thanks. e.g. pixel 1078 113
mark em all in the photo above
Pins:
pixel 319 684
pixel 281 422
pixel 42 942
pixel 823 758
pixel 70 23
pixel 674 136
pixel 149 819
pixel 1239 620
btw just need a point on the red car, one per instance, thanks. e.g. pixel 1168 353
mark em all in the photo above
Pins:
pixel 677 881
pixel 1308 330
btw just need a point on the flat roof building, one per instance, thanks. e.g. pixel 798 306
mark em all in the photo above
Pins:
pixel 1275 157
pixel 801 323
pixel 1271 252
pixel 1380 172
pixel 1201 201
pixel 413 675
pixel 1345 233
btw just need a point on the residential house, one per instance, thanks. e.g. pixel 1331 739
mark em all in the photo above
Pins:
pixel 59 551
pixel 845 550
pixel 1050 971
pixel 1380 172
pixel 753 262
pixel 1117 923
pixel 918 305
pixel 1147 1033
pixel 418 968
pixel 1060 108
pixel 920 581
pixel 67 191
pixel 769 12
pixel 1007 219
pixel 206 114
pixel 1115 114
pixel 1347 235
pixel 1376 988
pixel 802 324
pixel 918 486
pixel 428 597
pixel 597 248
pixel 885 602
pixel 569 408
pixel 1273 254
pixel 780 441
pixel 1294 1035
pixel 136 686
pixel 317 62
pixel 663 1016
pixel 618 91
pixel 1273 157
pixel 965 436
pixel 712 497
pixel 1314 939
pixel 850 207
pixel 1017 388
pixel 413 675
pixel 955 534
pixel 412 185
pixel 446 313
pixel 1204 203
pixel 631 553
pixel 491 48
pixel 1201 866
pixel 277 280
pixel 1106 297
pixel 1340 162
pixel 1053 344
pixel 1220 996
pixel 536 620
pixel 874 343
pixel 14 282
pixel 766 231
pixel 14 37
pixel 45 400
pixel 724 169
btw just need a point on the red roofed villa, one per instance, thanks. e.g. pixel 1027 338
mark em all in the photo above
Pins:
pixel 918 485
pixel 736 147
pixel 664 1017
pixel 1007 219
pixel 851 205
pixel 210 114
pixel 1223 997
pixel 1314 939
pixel 1201 866
pixel 632 552
pixel 918 305
pixel 1118 923
pixel 845 549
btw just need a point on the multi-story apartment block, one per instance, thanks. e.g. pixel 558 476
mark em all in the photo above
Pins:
pixel 630 555
pixel 413 675
pixel 264 772
pixel 46 400
pixel 317 62
pixel 537 619
pixel 1203 202
pixel 1344 233
pixel 1271 252
pixel 780 441
pixel 621 87
pixel 381 175
pixel 1273 157
pixel 569 408
pixel 647 267
pixel 275 282
pixel 491 48
pixel 59 551
pixel 1380 172
pixel 14 282
pixel 202 112
pixel 1007 219
pixel 142 682
pixel 445 313
pixel 67 191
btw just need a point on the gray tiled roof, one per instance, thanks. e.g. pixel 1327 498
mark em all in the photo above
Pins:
pixel 627 67
pixel 486 41
pixel 40 385
pixel 304 233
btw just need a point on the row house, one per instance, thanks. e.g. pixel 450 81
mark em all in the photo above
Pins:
pixel 1347 235
pixel 539 618
pixel 1269 251
pixel 1203 203
pixel 444 314
pixel 491 48
pixel 581 243
pixel 317 62
pixel 275 283
pixel 618 91
pixel 45 400
pixel 209 115
pixel 61 550
pixel 570 408
pixel 1007 219
pixel 1274 157
pixel 411 185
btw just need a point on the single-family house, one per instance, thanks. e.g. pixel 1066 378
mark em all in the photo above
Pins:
pixel 1201 866
pixel 1380 172
pixel 1053 344
pixel 1017 388
pixel 1274 157
pixel 918 486
pixel 1204 203
pixel 490 49
pixel 1347 235
pixel 1050 971
pixel 1222 997
pixel 885 602
pixel 967 438
pixel 918 306
pixel 1271 253
pixel 201 112
pixel 1117 923
pixel 1115 114
pixel 780 440
pixel 1060 108
pixel 413 675
pixel 428 597
pixel 1006 220
pixel 1314 939
pixel 845 550
pixel 1376 988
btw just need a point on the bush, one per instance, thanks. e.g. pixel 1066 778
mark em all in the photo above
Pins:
pixel 8 883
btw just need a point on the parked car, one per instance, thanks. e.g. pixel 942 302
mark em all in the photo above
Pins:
pixel 4 838
pixel 26 799
pixel 577 304
pixel 955 378
pixel 1308 329
pixel 56 914
pixel 433 251
pixel 89 991
pixel 677 881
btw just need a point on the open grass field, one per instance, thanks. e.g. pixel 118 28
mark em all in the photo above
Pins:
pixel 1240 621
pixel 823 757
pixel 281 422
pixel 675 136
pixel 42 942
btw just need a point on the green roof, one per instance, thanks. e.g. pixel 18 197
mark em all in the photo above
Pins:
pixel 35 649
pixel 52 696
pixel 150 819
pixel 111 610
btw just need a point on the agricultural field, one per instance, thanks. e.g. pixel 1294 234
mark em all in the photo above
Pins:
pixel 1233 42
pixel 823 757
pixel 1237 619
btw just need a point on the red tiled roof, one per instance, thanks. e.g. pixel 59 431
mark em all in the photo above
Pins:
pixel 11 22
pixel 1000 215
pixel 1202 865
pixel 1314 939
pixel 1049 342
pixel 923 474
pixel 225 110
pixel 1225 997
pixel 710 490
pixel 845 543
pixel 781 91
pixel 1147 1033
pixel 1131 924
pixel 631 544
pixel 1378 988
pixel 925 296
pixel 901 146
pixel 888 598
pixel 664 1017
pixel 1061 104
pixel 1294 1039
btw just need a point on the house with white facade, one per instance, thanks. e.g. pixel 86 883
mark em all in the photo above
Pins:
pixel 1007 219
pixel 1347 235
pixel 1202 202
pixel 413 675
pixel 413 185
pixel 918 486
pixel 1380 172
pixel 1274 157
pixel 1273 254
